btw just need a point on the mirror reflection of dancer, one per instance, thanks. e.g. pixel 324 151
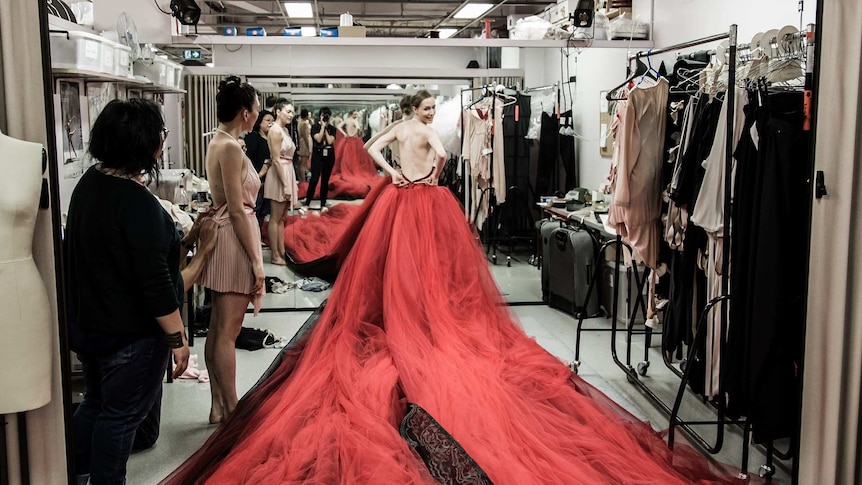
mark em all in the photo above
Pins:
pixel 351 125
pixel 322 157
pixel 281 187
pixel 303 150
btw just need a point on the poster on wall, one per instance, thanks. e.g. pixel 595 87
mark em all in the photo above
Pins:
pixel 98 96
pixel 71 122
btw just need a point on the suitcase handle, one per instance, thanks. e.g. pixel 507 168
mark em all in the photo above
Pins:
pixel 562 237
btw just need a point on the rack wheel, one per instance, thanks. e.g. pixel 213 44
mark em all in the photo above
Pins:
pixel 629 377
pixel 766 471
pixel 682 364
pixel 642 367
pixel 494 258
pixel 573 366
pixel 509 261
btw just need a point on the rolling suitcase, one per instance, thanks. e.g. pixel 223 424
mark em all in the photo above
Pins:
pixel 548 226
pixel 571 266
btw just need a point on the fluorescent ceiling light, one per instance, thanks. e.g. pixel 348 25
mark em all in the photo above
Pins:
pixel 473 10
pixel 308 31
pixel 446 33
pixel 299 10
pixel 248 6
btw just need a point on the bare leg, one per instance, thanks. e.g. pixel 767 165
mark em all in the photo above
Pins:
pixel 217 413
pixel 221 350
pixel 275 231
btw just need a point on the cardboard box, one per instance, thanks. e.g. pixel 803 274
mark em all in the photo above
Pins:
pixel 352 31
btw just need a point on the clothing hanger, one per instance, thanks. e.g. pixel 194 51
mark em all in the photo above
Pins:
pixel 640 68
pixel 650 72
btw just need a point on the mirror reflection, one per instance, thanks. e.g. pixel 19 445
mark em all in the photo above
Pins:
pixel 329 124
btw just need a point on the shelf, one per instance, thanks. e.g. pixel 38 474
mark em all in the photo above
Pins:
pixel 69 73
pixel 403 42
pixel 96 77
pixel 160 88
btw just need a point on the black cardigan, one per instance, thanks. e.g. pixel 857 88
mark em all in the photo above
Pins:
pixel 122 258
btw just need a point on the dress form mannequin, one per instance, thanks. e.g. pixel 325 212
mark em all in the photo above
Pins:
pixel 25 319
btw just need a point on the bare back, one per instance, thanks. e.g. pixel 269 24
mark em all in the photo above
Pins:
pixel 222 151
pixel 418 143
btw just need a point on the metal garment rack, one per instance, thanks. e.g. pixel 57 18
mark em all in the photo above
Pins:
pixel 490 238
pixel 633 374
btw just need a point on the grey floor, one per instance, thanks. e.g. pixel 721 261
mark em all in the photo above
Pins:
pixel 186 402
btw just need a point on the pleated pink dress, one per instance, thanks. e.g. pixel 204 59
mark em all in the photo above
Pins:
pixel 229 269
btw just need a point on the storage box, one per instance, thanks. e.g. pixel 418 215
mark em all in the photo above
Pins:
pixel 292 32
pixel 122 60
pixel 81 50
pixel 173 74
pixel 229 31
pixel 156 70
pixel 255 32
pixel 352 31
pixel 329 32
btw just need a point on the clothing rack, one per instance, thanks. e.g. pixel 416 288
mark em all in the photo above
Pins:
pixel 490 235
pixel 632 374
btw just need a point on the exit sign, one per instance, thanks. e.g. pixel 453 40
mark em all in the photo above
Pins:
pixel 192 54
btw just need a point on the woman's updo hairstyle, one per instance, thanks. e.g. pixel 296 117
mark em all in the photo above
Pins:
pixel 406 105
pixel 233 95
pixel 419 97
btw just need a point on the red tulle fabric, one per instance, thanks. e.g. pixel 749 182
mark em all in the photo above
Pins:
pixel 354 172
pixel 415 316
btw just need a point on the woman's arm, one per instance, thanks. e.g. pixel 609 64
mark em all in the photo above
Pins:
pixel 386 130
pixel 375 152
pixel 232 164
pixel 274 139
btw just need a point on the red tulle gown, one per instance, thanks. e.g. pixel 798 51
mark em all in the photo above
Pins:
pixel 415 325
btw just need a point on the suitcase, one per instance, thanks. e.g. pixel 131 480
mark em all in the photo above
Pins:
pixel 547 227
pixel 571 267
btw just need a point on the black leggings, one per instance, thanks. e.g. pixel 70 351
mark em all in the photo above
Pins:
pixel 321 169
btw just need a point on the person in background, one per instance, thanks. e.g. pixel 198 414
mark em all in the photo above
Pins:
pixel 234 273
pixel 281 187
pixel 122 253
pixel 258 153
pixel 303 150
pixel 322 157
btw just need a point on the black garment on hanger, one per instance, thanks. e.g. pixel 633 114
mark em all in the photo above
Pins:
pixel 549 137
pixel 568 155
pixel 516 146
pixel 767 344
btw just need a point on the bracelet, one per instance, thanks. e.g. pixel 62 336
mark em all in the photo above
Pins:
pixel 174 340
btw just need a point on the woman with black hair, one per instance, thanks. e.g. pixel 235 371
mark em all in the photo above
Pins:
pixel 281 188
pixel 234 273
pixel 257 149
pixel 124 287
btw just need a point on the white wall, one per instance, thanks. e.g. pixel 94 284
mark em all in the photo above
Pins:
pixel 153 26
pixel 675 21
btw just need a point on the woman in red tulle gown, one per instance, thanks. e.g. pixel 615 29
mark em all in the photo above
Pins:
pixel 414 372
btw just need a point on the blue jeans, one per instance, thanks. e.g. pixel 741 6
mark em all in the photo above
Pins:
pixel 121 389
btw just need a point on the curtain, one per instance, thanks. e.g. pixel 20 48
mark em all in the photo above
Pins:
pixel 830 450
pixel 25 118
pixel 200 117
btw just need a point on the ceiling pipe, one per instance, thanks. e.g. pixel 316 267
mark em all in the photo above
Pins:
pixel 495 7
pixel 316 17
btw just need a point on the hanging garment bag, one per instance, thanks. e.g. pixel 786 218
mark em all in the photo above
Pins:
pixel 571 264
